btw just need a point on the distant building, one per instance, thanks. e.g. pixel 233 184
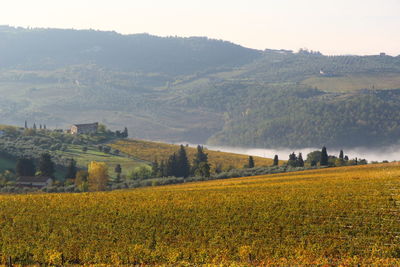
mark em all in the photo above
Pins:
pixel 382 54
pixel 34 181
pixel 84 128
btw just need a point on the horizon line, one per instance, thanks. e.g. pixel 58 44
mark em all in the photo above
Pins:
pixel 198 36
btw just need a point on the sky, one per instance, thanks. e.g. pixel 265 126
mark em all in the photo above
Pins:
pixel 330 26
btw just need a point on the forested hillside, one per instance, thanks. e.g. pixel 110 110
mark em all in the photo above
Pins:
pixel 197 89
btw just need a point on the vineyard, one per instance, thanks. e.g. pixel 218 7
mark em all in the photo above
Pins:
pixel 150 151
pixel 344 215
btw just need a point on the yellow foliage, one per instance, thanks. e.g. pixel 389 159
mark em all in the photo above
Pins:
pixel 98 176
pixel 328 217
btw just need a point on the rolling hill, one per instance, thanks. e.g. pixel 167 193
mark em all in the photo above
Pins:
pixel 198 90
pixel 129 153
pixel 151 151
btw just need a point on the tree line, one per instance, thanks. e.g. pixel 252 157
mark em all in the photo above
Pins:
pixel 321 158
pixel 178 165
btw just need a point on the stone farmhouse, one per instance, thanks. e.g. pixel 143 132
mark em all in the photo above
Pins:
pixel 84 128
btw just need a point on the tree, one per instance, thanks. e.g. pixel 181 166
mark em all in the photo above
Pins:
pixel 341 156
pixel 292 160
pixel 46 165
pixel 25 167
pixel 162 169
pixel 200 163
pixel 98 176
pixel 182 165
pixel 324 157
pixel 84 149
pixel 203 170
pixel 71 170
pixel 276 161
pixel 125 133
pixel 81 180
pixel 155 169
pixel 118 171
pixel 141 172
pixel 300 161
pixel 172 165
pixel 218 168
pixel 34 126
pixel 251 162
pixel 314 157
pixel 26 125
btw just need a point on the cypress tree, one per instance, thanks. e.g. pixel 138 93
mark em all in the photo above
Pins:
pixel 118 171
pixel 162 169
pixel 46 165
pixel 251 162
pixel 300 161
pixel 276 161
pixel 71 170
pixel 292 160
pixel 26 125
pixel 341 155
pixel 324 157
pixel 155 168
pixel 200 163
pixel 172 165
pixel 125 133
pixel 183 166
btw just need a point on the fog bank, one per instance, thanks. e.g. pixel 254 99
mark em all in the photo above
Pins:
pixel 389 153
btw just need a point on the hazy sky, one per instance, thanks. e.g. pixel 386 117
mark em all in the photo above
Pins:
pixel 330 26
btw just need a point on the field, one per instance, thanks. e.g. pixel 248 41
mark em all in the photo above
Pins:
pixel 355 82
pixel 128 164
pixel 344 215
pixel 150 151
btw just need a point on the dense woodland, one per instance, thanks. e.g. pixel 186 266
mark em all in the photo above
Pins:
pixel 198 90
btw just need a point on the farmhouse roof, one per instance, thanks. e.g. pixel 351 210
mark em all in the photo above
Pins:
pixel 33 179
pixel 85 124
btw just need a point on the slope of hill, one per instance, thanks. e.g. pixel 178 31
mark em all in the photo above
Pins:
pixel 198 90
pixel 152 151
pixel 130 154
pixel 345 216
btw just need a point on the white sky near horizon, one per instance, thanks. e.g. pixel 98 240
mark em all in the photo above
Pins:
pixel 330 26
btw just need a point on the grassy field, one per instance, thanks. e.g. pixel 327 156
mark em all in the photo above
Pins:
pixel 93 154
pixel 333 216
pixel 150 151
pixel 355 82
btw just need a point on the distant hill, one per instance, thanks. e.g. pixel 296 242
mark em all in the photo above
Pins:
pixel 197 89
pixel 44 49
